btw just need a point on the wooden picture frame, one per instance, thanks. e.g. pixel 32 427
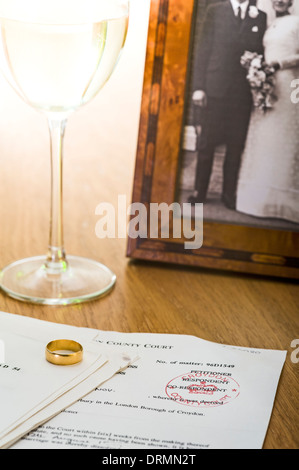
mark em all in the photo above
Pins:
pixel 228 246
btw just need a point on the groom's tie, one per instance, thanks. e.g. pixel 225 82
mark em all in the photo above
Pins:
pixel 239 16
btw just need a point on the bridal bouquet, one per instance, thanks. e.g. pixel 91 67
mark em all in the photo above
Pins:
pixel 260 76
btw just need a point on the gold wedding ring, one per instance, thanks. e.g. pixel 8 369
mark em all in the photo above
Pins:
pixel 64 352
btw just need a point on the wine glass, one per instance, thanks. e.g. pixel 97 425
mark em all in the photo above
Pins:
pixel 57 55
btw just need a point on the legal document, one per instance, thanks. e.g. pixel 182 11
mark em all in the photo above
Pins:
pixel 181 393
pixel 31 389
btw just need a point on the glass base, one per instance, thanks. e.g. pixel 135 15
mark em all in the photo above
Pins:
pixel 79 280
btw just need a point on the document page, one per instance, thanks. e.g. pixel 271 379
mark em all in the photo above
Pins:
pixel 32 390
pixel 182 393
pixel 29 381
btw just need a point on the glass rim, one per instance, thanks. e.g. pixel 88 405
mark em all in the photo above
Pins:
pixel 63 12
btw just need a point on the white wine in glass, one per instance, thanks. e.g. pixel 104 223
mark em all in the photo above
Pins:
pixel 57 55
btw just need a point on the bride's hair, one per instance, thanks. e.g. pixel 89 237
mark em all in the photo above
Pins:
pixel 290 4
pixel 267 7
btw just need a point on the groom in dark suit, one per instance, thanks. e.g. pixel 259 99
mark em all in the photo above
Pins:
pixel 229 29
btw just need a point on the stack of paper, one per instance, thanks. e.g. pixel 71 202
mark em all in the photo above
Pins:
pixel 33 390
pixel 182 393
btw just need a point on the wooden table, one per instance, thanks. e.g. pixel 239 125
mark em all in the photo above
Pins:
pixel 100 146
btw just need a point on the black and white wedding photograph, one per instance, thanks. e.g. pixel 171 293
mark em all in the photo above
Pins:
pixel 240 146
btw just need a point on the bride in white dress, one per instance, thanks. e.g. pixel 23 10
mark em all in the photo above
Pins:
pixel 269 175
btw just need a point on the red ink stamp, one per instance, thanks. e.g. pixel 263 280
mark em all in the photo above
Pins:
pixel 203 388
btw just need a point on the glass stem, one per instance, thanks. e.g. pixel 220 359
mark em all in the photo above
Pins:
pixel 56 259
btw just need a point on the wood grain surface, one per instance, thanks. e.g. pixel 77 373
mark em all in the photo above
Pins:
pixel 100 149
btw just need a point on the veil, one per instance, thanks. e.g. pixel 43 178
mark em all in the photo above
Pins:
pixel 266 6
